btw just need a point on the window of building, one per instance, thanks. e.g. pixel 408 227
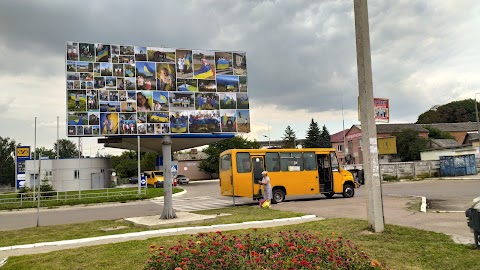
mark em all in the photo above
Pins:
pixel 340 148
pixel 76 174
pixel 243 163
pixel 309 161
pixel 273 162
pixel 226 163
pixel 291 162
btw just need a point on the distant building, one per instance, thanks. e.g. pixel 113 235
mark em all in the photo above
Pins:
pixel 464 134
pixel 338 142
pixel 458 130
pixel 354 137
pixel 70 174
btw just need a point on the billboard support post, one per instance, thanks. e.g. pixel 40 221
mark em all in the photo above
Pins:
pixel 78 173
pixel 168 211
pixel 39 191
pixel 58 137
pixel 139 179
pixel 375 216
pixel 34 158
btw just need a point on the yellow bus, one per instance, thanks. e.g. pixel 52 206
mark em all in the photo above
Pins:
pixel 292 172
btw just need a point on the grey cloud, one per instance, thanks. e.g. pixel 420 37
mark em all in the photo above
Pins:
pixel 293 47
pixel 5 104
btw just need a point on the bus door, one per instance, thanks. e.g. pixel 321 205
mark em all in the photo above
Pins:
pixel 336 175
pixel 258 168
pixel 324 173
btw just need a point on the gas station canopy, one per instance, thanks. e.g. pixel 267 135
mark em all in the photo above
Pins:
pixel 153 143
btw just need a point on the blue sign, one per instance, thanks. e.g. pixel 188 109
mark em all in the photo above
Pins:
pixel 22 153
pixel 143 181
pixel 174 168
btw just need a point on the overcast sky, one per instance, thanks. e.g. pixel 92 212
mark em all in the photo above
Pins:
pixel 300 54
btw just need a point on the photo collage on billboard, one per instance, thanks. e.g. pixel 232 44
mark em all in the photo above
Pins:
pixel 132 90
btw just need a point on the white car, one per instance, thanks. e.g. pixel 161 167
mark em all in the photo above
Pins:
pixel 182 179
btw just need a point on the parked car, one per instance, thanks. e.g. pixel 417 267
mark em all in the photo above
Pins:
pixel 182 179
pixel 133 180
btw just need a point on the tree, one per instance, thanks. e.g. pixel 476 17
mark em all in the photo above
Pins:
pixel 125 165
pixel 312 140
pixel 67 148
pixel 7 161
pixel 44 152
pixel 210 165
pixel 453 112
pixel 436 133
pixel 325 138
pixel 148 161
pixel 409 144
pixel 289 138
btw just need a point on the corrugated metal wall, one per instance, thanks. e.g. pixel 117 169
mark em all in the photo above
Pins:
pixel 458 165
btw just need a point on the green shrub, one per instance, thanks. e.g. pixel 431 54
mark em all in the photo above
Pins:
pixel 387 177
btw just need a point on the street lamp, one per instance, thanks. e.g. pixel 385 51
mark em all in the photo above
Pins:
pixel 478 124
pixel 268 139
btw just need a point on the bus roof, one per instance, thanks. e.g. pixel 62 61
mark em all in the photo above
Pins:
pixel 278 150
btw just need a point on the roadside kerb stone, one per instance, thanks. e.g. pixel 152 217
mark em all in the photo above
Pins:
pixel 91 241
pixel 423 206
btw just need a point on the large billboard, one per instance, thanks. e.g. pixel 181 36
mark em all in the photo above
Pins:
pixel 137 90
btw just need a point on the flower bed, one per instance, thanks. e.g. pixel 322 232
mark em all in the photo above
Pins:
pixel 287 250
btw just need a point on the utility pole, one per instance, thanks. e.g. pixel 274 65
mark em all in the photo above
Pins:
pixel 369 130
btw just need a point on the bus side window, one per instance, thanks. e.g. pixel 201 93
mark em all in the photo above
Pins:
pixel 273 162
pixel 243 162
pixel 297 160
pixel 226 163
pixel 334 161
pixel 309 161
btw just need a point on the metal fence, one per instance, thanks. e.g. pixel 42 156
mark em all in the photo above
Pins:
pixel 58 196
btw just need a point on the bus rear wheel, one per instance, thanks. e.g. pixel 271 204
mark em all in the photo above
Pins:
pixel 278 195
pixel 348 191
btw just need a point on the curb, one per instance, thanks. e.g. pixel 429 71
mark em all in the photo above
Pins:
pixel 173 195
pixel 204 181
pixel 423 206
pixel 3 261
pixel 155 233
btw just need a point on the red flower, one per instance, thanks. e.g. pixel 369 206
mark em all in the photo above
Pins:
pixel 304 263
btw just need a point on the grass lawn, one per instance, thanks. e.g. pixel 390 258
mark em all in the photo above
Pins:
pixel 151 193
pixel 398 247
pixel 96 228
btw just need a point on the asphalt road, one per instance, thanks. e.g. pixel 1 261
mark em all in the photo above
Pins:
pixel 451 195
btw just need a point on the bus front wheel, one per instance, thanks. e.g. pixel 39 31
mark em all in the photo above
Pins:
pixel 278 195
pixel 348 191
